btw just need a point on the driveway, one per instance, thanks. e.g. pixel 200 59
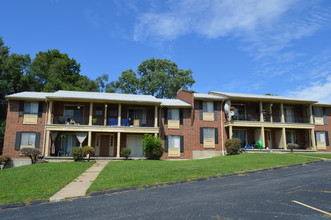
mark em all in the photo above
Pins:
pixel 301 192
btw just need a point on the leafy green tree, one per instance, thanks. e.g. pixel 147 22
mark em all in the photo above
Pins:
pixel 158 77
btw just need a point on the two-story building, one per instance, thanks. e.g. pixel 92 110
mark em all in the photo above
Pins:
pixel 194 125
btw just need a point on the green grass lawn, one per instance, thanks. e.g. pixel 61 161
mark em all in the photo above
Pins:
pixel 320 155
pixel 134 173
pixel 37 181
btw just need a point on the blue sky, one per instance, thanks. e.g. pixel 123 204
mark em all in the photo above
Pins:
pixel 248 46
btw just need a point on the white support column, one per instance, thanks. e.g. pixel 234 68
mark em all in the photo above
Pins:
pixel 119 114
pixel 282 117
pixel 271 118
pixel 261 112
pixel 229 115
pixel 284 138
pixel 230 132
pixel 155 134
pixel 118 144
pixel 47 144
pixel 313 143
pixel 263 137
pixel 90 115
pixel 155 117
pixel 105 118
pixel 89 138
pixel 311 117
pixel 49 114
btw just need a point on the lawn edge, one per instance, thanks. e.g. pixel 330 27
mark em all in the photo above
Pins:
pixel 126 189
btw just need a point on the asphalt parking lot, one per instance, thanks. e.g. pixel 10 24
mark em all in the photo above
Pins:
pixel 300 192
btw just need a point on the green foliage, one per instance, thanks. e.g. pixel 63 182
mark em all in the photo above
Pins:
pixel 292 146
pixel 88 151
pixel 5 160
pixel 53 71
pixel 152 146
pixel 77 153
pixel 125 152
pixel 158 77
pixel 32 153
pixel 232 146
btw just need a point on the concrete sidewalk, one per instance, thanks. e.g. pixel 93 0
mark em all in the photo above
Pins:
pixel 79 186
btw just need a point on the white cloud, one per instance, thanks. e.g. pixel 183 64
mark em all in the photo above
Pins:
pixel 266 28
pixel 319 91
pixel 209 18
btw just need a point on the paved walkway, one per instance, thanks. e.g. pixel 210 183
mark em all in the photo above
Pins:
pixel 79 186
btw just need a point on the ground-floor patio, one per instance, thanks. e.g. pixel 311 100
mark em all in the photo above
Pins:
pixel 273 138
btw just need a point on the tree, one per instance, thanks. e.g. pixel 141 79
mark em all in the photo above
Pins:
pixel 158 77
pixel 53 71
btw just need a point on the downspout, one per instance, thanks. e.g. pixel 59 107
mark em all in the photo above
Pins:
pixel 46 116
pixel 222 129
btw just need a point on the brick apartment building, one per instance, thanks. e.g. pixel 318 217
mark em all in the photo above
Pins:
pixel 194 125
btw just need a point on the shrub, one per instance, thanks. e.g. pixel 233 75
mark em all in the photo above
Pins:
pixel 32 153
pixel 232 146
pixel 152 146
pixel 5 160
pixel 77 153
pixel 292 146
pixel 125 152
pixel 88 151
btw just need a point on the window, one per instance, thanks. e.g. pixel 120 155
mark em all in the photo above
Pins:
pixel 31 108
pixel 318 112
pixel 209 133
pixel 209 137
pixel 320 136
pixel 28 139
pixel 208 106
pixel 174 141
pixel 174 145
pixel 173 114
pixel 322 139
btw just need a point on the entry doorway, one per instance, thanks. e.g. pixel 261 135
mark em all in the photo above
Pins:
pixel 104 145
pixel 135 144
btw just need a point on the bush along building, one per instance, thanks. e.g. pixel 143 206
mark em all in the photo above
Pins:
pixel 194 125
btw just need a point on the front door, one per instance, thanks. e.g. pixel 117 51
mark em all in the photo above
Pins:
pixel 104 146
pixel 134 143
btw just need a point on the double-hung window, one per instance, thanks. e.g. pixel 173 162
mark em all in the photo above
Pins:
pixel 31 108
pixel 209 137
pixel 207 112
pixel 322 139
pixel 173 118
pixel 28 139
pixel 174 145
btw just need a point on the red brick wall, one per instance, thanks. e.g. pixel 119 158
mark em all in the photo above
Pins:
pixel 327 128
pixel 191 131
pixel 15 124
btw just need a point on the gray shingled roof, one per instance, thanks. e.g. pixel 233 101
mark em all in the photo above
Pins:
pixel 103 96
pixel 262 97
pixel 29 95
pixel 174 103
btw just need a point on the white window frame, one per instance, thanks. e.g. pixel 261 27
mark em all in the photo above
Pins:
pixel 318 139
pixel 318 112
pixel 209 133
